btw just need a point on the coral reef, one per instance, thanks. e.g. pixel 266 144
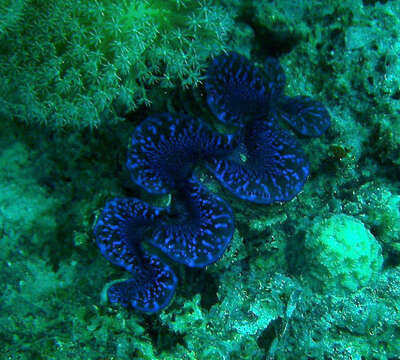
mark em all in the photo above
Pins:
pixel 256 302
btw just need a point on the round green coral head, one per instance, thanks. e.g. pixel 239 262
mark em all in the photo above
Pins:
pixel 343 255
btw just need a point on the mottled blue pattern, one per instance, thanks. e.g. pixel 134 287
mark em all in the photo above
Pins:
pixel 261 163
pixel 163 152
pixel 237 89
pixel 269 166
pixel 164 149
pixel 276 78
pixel 151 288
pixel 119 232
pixel 202 231
pixel 305 115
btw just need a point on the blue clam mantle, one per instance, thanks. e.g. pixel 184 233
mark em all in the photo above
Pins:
pixel 261 163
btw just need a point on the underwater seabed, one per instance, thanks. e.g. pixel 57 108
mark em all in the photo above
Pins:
pixel 316 277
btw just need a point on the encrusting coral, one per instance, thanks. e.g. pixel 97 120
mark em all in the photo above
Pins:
pixel 342 255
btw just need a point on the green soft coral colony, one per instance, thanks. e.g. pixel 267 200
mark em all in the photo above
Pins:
pixel 84 63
